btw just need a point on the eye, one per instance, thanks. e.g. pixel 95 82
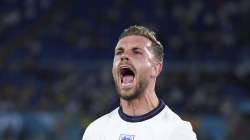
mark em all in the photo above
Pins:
pixel 137 52
pixel 118 52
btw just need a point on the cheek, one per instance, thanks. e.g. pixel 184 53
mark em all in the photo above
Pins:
pixel 144 59
pixel 146 67
pixel 148 64
pixel 149 67
pixel 115 64
pixel 113 71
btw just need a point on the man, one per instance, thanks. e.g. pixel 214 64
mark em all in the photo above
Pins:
pixel 142 115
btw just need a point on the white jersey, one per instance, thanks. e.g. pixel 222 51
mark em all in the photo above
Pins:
pixel 160 124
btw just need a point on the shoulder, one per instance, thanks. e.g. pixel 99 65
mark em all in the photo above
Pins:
pixel 180 129
pixel 183 131
pixel 98 125
pixel 103 120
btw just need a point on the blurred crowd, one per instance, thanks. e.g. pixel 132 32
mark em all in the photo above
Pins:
pixel 56 59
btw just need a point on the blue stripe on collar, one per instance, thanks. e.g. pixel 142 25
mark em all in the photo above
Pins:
pixel 143 117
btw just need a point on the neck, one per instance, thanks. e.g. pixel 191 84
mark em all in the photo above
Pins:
pixel 141 105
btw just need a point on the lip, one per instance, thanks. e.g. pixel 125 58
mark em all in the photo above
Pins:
pixel 126 66
pixel 127 86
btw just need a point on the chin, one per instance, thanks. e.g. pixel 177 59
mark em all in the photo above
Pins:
pixel 128 95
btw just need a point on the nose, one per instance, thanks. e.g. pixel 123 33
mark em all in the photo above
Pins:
pixel 124 57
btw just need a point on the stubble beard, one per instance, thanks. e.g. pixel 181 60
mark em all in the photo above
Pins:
pixel 137 92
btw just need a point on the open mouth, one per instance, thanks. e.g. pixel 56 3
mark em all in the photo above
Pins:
pixel 127 76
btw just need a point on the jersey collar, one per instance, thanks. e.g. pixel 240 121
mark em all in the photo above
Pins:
pixel 143 117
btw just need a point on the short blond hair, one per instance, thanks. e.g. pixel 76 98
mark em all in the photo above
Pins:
pixel 156 46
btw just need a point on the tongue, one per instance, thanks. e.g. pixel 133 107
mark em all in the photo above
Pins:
pixel 127 79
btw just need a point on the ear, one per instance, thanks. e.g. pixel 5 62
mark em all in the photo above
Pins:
pixel 157 69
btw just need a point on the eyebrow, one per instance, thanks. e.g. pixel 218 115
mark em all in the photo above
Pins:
pixel 133 48
pixel 136 48
pixel 119 49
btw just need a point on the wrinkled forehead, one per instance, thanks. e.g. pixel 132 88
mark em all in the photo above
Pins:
pixel 133 41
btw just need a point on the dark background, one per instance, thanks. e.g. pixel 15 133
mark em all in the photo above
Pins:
pixel 56 59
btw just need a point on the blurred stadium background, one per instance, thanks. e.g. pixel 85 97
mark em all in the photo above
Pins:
pixel 56 59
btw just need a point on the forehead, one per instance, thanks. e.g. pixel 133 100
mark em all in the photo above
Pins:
pixel 133 41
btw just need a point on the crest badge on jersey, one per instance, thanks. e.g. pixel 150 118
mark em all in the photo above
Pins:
pixel 126 137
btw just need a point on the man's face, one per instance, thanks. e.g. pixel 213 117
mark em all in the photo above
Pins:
pixel 133 66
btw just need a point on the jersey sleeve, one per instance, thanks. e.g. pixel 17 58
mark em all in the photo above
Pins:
pixel 87 134
pixel 183 131
pixel 95 129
